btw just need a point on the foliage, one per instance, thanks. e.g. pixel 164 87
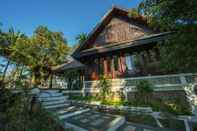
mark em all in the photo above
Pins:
pixel 105 87
pixel 84 98
pixel 178 16
pixel 180 54
pixel 144 86
pixel 40 53
pixel 72 77
pixel 113 102
pixel 81 37
pixel 173 124
pixel 144 92
pixel 7 40
pixel 18 113
pixel 141 118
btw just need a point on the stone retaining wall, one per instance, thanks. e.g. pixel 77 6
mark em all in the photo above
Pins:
pixel 163 95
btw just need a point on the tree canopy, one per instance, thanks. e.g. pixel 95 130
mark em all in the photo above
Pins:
pixel 179 17
pixel 40 53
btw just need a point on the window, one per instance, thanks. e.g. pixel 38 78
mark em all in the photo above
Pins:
pixel 130 61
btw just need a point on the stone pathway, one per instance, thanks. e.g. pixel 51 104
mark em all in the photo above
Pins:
pixel 85 119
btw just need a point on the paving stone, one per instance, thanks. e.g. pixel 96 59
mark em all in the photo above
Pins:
pixel 77 117
pixel 97 122
pixel 147 130
pixel 106 117
pixel 94 117
pixel 130 128
pixel 88 114
pixel 84 120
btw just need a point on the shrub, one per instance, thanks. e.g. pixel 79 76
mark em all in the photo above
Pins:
pixel 144 92
pixel 105 85
pixel 17 114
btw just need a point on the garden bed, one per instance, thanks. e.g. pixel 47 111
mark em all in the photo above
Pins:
pixel 173 124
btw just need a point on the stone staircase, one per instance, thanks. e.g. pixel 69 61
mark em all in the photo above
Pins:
pixel 191 97
pixel 78 118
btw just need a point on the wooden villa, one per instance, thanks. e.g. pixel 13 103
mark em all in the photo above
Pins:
pixel 120 46
pixel 125 49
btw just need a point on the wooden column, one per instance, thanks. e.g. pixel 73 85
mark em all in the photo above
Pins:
pixel 105 66
pixel 122 63
pixel 112 68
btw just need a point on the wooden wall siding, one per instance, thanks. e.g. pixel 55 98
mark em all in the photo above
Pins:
pixel 119 30
pixel 93 71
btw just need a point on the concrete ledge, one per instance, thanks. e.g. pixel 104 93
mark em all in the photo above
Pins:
pixel 73 114
pixel 73 127
pixel 115 124
pixel 56 106
pixel 125 108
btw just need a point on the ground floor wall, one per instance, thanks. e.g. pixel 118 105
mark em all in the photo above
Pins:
pixel 140 61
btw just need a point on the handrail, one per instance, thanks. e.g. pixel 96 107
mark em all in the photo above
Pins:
pixel 148 77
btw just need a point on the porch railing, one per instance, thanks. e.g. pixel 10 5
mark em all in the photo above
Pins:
pixel 160 82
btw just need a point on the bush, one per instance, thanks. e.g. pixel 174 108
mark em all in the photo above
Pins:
pixel 174 107
pixel 144 92
pixel 18 115
pixel 84 98
pixel 105 87
pixel 113 102
pixel 144 86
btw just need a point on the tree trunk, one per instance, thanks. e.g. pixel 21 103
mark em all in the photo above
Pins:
pixel 5 71
pixel 51 81
pixel 21 72
pixel 34 80
pixel 15 72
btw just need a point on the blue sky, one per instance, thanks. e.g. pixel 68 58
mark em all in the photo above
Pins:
pixel 68 16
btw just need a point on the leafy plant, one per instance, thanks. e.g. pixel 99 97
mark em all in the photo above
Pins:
pixel 144 92
pixel 178 51
pixel 18 113
pixel 105 87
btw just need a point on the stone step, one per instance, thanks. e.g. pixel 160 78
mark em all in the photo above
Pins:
pixel 73 114
pixel 50 91
pixel 62 111
pixel 69 110
pixel 48 95
pixel 54 98
pixel 56 106
pixel 115 124
pixel 48 103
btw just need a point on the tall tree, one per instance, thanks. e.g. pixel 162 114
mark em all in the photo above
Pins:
pixel 41 53
pixel 8 39
pixel 81 37
pixel 180 17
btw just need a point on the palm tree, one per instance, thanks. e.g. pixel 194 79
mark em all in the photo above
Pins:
pixel 81 37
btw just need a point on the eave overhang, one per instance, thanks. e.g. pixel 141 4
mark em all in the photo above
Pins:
pixel 122 45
